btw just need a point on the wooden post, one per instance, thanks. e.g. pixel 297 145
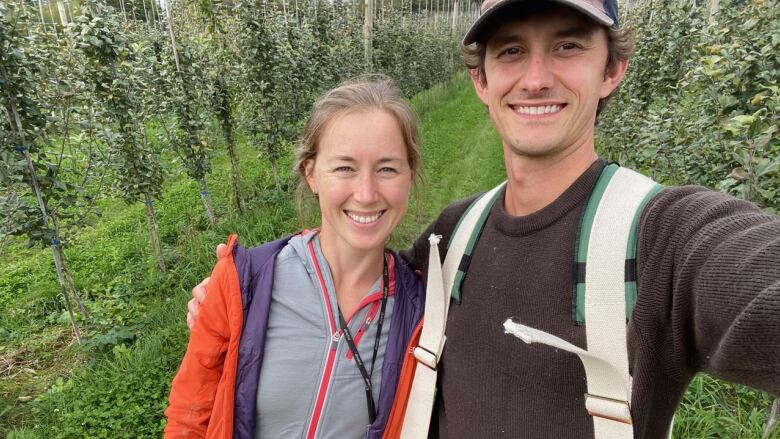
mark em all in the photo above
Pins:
pixel 173 37
pixel 453 26
pixel 40 10
pixel 714 7
pixel 124 10
pixel 368 33
pixel 62 7
pixel 146 13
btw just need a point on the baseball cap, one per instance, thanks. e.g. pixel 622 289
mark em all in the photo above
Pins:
pixel 602 11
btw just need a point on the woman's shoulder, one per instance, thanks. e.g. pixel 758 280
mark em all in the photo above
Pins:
pixel 254 258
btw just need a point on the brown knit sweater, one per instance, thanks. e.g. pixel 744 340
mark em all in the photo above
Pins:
pixel 709 300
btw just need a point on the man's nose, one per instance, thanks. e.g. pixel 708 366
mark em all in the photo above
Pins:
pixel 537 76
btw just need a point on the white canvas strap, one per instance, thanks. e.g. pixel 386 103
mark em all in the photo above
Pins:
pixel 417 417
pixel 605 286
pixel 606 359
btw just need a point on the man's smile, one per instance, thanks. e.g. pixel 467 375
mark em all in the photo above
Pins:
pixel 537 110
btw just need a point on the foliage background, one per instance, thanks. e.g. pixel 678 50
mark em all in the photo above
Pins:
pixel 700 105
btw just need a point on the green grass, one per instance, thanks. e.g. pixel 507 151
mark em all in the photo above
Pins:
pixel 118 387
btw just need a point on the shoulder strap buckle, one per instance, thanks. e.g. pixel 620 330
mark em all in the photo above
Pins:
pixel 608 408
pixel 426 357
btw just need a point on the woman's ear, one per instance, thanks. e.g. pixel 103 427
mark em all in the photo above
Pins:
pixel 308 169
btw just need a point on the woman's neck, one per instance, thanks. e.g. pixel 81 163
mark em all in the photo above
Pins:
pixel 353 271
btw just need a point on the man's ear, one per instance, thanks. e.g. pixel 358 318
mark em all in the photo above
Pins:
pixel 613 75
pixel 308 169
pixel 480 84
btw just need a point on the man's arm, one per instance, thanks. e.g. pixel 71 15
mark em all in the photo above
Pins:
pixel 710 275
pixel 416 255
pixel 199 292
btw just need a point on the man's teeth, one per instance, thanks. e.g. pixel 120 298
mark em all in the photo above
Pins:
pixel 364 219
pixel 546 109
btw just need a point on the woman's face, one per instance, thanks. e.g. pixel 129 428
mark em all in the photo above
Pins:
pixel 362 176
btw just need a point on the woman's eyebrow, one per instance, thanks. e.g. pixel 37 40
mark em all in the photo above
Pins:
pixel 350 159
pixel 390 159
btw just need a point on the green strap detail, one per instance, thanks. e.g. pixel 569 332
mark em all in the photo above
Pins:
pixel 578 313
pixel 631 286
pixel 586 223
pixel 455 294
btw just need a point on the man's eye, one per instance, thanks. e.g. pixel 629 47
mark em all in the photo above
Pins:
pixel 568 46
pixel 512 51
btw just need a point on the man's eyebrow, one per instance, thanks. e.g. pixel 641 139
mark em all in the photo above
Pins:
pixel 500 40
pixel 576 31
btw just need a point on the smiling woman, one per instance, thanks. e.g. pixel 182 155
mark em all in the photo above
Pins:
pixel 291 333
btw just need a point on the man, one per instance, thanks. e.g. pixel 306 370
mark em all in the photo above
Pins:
pixel 708 265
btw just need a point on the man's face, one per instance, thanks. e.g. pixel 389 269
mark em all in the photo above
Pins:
pixel 544 76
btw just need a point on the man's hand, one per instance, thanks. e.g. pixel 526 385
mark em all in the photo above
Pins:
pixel 199 292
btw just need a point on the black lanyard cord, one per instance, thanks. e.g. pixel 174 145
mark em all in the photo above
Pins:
pixel 351 343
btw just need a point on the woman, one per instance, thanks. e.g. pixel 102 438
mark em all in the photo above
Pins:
pixel 305 336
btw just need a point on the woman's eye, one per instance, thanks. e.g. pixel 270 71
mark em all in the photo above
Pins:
pixel 343 169
pixel 388 170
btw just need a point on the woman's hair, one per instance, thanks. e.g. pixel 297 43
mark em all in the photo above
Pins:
pixel 365 93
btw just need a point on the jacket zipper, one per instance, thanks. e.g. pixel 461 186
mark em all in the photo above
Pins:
pixel 322 388
pixel 324 385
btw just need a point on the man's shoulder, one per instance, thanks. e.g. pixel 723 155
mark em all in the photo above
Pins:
pixel 451 214
pixel 683 214
pixel 694 201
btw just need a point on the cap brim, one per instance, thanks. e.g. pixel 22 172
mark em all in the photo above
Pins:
pixel 479 26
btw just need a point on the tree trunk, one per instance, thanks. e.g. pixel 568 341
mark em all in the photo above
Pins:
pixel 59 264
pixel 205 196
pixel 275 172
pixel 235 171
pixel 67 287
pixel 59 259
pixel 154 233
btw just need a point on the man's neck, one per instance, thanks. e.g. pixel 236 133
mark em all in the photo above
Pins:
pixel 535 182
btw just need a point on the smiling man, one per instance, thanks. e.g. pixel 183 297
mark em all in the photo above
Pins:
pixel 707 265
pixel 706 268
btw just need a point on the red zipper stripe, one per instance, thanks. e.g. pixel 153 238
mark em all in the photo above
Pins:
pixel 322 389
pixel 374 298
pixel 370 315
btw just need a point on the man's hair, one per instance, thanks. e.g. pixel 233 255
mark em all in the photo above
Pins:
pixel 620 47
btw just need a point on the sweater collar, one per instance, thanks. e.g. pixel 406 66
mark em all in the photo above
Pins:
pixel 574 196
